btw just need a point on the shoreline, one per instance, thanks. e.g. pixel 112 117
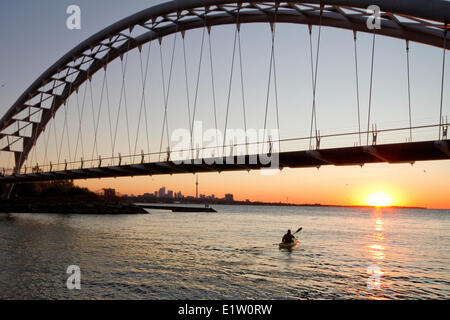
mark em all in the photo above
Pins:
pixel 276 204
pixel 127 207
pixel 71 207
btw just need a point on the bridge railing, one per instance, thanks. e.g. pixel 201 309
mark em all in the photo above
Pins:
pixel 326 141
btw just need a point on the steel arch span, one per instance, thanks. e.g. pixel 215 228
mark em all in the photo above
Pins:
pixel 422 21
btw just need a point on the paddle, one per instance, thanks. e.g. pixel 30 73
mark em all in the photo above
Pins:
pixel 298 230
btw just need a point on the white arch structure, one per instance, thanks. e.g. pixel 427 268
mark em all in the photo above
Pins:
pixel 423 21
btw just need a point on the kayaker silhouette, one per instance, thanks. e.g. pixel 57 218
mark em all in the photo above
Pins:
pixel 288 237
pixel 289 241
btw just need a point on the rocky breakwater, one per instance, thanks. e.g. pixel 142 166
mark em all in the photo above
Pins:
pixel 72 207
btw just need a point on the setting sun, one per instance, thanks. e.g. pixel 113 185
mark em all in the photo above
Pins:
pixel 379 199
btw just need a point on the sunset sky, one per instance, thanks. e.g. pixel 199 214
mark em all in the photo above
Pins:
pixel 37 37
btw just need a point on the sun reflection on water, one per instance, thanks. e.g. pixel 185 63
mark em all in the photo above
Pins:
pixel 377 254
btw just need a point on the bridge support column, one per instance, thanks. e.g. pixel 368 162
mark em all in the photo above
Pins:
pixel 6 191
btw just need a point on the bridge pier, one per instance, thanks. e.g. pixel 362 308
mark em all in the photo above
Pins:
pixel 5 191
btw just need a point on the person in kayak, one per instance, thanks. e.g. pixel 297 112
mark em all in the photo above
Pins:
pixel 288 237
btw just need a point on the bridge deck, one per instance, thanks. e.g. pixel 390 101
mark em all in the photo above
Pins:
pixel 390 153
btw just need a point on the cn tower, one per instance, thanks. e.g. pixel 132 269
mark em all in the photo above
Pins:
pixel 196 188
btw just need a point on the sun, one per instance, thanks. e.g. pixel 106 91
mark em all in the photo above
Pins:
pixel 379 199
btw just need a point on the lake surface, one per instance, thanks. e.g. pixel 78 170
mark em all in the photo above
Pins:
pixel 344 253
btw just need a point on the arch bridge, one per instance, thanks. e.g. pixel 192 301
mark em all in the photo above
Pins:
pixel 32 148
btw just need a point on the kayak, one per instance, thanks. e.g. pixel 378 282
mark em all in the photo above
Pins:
pixel 288 245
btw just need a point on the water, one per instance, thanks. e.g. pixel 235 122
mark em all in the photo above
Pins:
pixel 232 254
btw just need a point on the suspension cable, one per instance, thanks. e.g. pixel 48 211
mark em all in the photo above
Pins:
pixel 65 119
pixel 123 68
pixel 213 90
pixel 96 123
pixel 442 81
pixel 409 90
pixel 370 89
pixel 54 130
pixel 34 128
pixel 312 81
pixel 238 26
pixel 35 140
pixel 357 86
pixel 229 92
pixel 80 117
pixel 59 149
pixel 276 91
pixel 272 51
pixel 109 112
pixel 166 96
pixel 145 98
pixel 94 147
pixel 314 74
pixel 143 101
pixel 186 82
pixel 47 140
pixel 126 105
pixel 98 116
pixel 66 132
pixel 196 88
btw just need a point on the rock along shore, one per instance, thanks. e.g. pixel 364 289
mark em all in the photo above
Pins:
pixel 72 207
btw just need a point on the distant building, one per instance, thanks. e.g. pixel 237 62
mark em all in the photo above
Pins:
pixel 170 194
pixel 229 197
pixel 162 192
pixel 155 194
pixel 109 193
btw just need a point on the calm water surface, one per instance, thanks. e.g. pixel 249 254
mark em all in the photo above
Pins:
pixel 344 253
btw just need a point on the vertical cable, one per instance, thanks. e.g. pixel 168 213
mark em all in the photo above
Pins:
pixel 242 78
pixel 166 94
pixel 409 90
pixel 370 90
pixel 314 75
pixel 80 117
pixel 56 137
pixel 196 89
pixel 98 116
pixel 272 28
pixel 145 99
pixel 109 112
pixel 317 67
pixel 123 68
pixel 276 94
pixel 442 81
pixel 65 117
pixel 357 87
pixel 213 91
pixel 187 84
pixel 143 102
pixel 229 92
pixel 94 147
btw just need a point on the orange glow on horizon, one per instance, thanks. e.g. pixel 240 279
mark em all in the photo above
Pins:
pixel 421 185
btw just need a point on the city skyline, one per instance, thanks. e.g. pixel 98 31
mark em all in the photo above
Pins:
pixel 170 194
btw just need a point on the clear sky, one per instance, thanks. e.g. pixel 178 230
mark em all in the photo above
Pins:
pixel 34 36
